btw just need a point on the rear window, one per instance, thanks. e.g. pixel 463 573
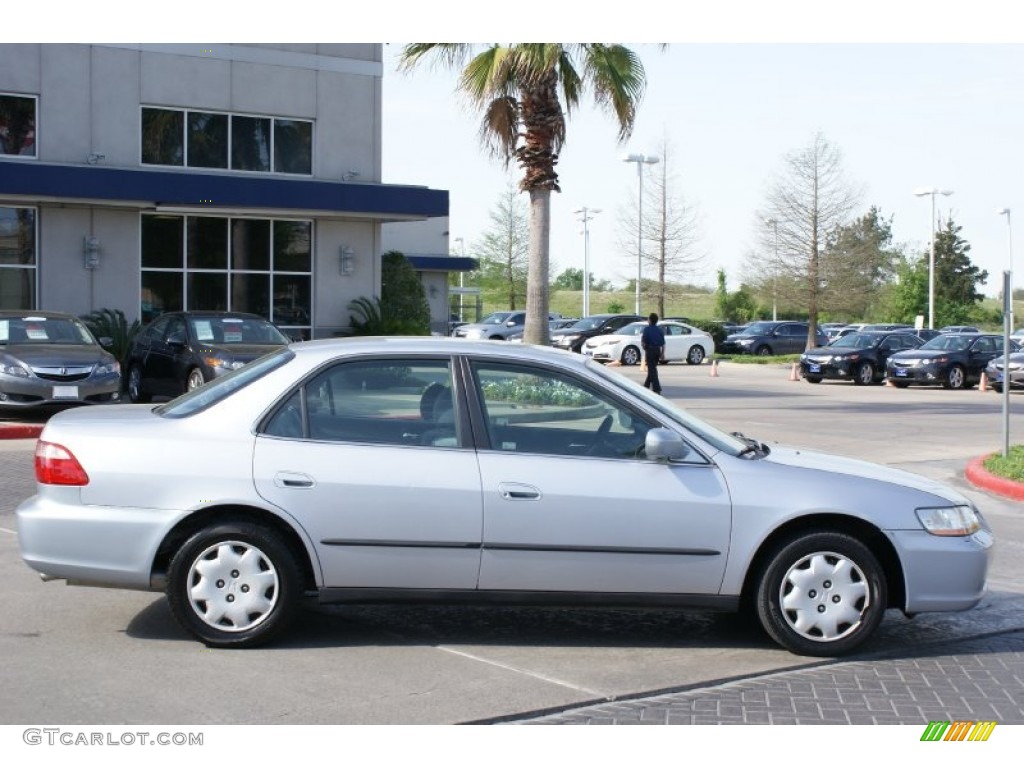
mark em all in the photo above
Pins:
pixel 223 386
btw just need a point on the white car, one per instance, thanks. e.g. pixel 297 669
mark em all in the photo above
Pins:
pixel 682 342
pixel 437 470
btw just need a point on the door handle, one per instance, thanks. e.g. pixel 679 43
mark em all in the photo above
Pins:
pixel 293 480
pixel 518 492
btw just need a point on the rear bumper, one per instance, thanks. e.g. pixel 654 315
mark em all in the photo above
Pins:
pixel 90 545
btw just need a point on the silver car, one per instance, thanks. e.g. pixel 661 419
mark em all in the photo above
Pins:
pixel 49 358
pixel 430 469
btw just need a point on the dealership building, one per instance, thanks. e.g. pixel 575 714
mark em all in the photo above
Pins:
pixel 247 178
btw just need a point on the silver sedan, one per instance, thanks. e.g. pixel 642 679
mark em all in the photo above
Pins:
pixel 376 470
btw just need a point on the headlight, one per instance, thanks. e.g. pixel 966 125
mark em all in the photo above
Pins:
pixel 14 369
pixel 222 362
pixel 949 521
pixel 105 368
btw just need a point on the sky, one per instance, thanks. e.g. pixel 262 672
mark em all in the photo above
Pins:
pixel 904 116
pixel 914 93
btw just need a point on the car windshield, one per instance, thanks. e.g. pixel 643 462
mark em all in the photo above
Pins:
pixel 496 318
pixel 954 343
pixel 223 386
pixel 586 324
pixel 44 330
pixel 225 331
pixel 856 341
pixel 712 435
pixel 758 329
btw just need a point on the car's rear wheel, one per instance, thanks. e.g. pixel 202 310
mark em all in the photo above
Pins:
pixel 954 378
pixel 821 594
pixel 865 374
pixel 135 391
pixel 696 355
pixel 630 355
pixel 195 380
pixel 234 585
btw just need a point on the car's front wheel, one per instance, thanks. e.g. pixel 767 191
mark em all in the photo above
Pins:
pixel 955 378
pixel 865 374
pixel 135 391
pixel 630 355
pixel 696 355
pixel 195 380
pixel 821 594
pixel 234 585
pixel 813 379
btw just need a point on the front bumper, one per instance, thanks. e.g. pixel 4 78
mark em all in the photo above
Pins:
pixel 995 376
pixel 827 370
pixel 943 573
pixel 22 392
pixel 92 545
pixel 923 374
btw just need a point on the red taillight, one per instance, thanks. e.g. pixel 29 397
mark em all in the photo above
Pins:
pixel 56 465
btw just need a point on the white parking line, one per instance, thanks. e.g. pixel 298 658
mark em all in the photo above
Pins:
pixel 534 675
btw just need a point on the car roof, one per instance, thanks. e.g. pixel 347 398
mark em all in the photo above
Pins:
pixel 11 314
pixel 433 345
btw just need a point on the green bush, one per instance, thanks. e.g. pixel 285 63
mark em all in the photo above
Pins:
pixel 113 324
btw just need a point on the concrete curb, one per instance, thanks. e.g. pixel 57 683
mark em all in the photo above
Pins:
pixel 981 477
pixel 20 431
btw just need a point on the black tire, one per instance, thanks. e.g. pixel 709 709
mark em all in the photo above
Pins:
pixel 865 374
pixel 763 351
pixel 234 562
pixel 135 391
pixel 997 387
pixel 829 612
pixel 194 380
pixel 955 378
pixel 630 355
pixel 813 379
pixel 899 384
pixel 696 355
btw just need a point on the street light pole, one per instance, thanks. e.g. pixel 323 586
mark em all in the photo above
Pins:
pixel 586 216
pixel 775 269
pixel 462 276
pixel 1007 329
pixel 640 161
pixel 932 192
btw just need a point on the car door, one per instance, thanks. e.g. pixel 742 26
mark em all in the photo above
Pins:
pixel 371 457
pixel 981 352
pixel 791 338
pixel 161 366
pixel 677 341
pixel 571 505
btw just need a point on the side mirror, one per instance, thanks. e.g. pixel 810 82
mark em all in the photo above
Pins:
pixel 106 342
pixel 176 339
pixel 665 445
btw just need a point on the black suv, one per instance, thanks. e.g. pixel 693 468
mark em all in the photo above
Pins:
pixel 859 357
pixel 595 325
pixel 771 337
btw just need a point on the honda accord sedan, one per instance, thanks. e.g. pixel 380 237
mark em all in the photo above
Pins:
pixel 431 469
pixel 49 358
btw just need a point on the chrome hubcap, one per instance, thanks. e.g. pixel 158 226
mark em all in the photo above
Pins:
pixel 233 586
pixel 195 380
pixel 824 597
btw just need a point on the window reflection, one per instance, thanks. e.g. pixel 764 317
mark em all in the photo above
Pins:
pixel 250 143
pixel 17 125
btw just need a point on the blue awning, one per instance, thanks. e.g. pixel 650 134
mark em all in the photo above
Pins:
pixel 441 263
pixel 219 192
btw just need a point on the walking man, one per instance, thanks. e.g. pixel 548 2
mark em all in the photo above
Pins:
pixel 653 342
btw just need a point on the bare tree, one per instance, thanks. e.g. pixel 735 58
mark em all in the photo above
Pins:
pixel 669 234
pixel 505 249
pixel 808 200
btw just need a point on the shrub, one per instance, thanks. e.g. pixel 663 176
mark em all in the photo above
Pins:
pixel 113 324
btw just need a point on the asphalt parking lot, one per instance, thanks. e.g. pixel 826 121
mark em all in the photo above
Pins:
pixel 77 655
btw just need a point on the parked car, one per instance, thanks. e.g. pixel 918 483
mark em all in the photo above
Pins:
pixel 959 329
pixel 500 326
pixel 831 330
pixel 954 360
pixel 926 334
pixel 572 338
pixel 682 342
pixel 996 372
pixel 180 351
pixel 770 337
pixel 857 357
pixel 1018 336
pixel 51 358
pixel 437 470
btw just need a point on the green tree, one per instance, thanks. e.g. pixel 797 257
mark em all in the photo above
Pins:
pixel 859 261
pixel 402 307
pixel 521 87
pixel 738 306
pixel 570 279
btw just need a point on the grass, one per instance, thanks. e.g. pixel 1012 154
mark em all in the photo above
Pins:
pixel 1011 467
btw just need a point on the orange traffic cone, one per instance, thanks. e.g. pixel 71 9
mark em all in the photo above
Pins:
pixel 983 384
pixel 793 375
pixel 714 368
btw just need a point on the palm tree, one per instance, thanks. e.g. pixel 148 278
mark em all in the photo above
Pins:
pixel 521 88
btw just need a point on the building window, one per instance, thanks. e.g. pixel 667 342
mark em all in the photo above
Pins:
pixel 17 258
pixel 237 142
pixel 17 125
pixel 263 266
